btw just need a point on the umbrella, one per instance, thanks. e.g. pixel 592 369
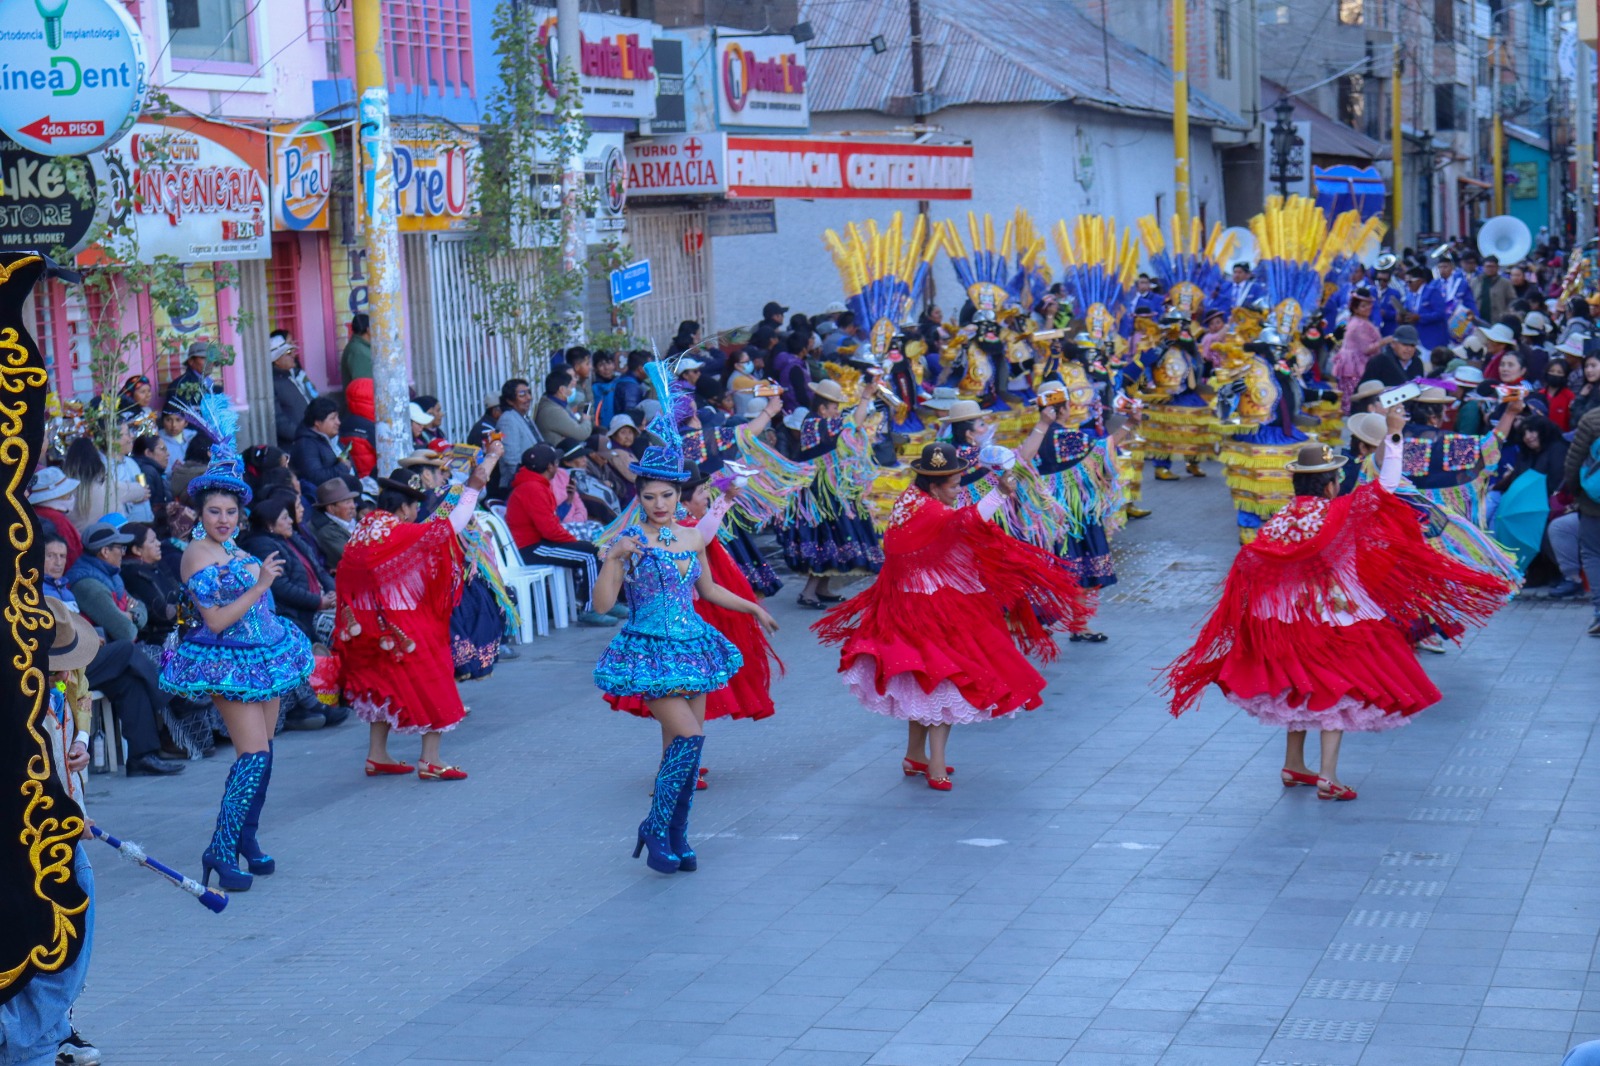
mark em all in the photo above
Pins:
pixel 1520 519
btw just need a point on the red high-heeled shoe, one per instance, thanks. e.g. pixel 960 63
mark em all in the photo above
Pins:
pixel 1327 790
pixel 1292 778
pixel 377 769
pixel 940 784
pixel 911 768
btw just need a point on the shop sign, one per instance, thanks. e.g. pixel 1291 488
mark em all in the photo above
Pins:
pixel 809 168
pixel 685 165
pixel 74 78
pixel 197 191
pixel 38 212
pixel 433 180
pixel 762 82
pixel 605 174
pixel 671 111
pixel 741 218
pixel 302 176
pixel 616 70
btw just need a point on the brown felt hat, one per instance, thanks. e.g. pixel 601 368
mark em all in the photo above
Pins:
pixel 939 460
pixel 1315 458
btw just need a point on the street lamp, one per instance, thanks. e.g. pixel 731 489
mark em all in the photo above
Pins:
pixel 1284 142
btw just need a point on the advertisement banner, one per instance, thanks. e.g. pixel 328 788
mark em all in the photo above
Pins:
pixel 38 210
pixel 686 165
pixel 198 191
pixel 75 76
pixel 433 179
pixel 813 169
pixel 762 82
pixel 741 218
pixel 617 70
pixel 302 177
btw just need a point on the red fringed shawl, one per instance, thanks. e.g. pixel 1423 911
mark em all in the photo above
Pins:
pixel 974 567
pixel 1360 556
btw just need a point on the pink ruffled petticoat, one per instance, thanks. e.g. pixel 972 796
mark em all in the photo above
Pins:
pixel 904 699
pixel 1347 713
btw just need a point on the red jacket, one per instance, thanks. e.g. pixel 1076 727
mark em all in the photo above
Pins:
pixel 65 528
pixel 531 511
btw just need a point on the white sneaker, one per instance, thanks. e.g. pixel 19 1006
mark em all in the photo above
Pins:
pixel 76 1051
pixel 1434 644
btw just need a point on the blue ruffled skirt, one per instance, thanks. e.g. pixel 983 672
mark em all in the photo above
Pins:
pixel 201 666
pixel 652 667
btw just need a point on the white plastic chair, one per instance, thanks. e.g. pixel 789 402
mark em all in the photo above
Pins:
pixel 535 586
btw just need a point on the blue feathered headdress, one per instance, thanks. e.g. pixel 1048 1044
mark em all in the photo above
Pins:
pixel 214 416
pixel 663 461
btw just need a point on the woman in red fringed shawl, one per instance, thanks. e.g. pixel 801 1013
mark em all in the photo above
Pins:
pixel 1311 629
pixel 939 639
pixel 397 583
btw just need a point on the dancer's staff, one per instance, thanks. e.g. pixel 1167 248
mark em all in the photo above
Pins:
pixel 213 900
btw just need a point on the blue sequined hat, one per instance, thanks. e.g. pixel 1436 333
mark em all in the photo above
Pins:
pixel 662 461
pixel 214 416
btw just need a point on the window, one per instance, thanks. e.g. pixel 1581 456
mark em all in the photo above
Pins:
pixel 210 31
pixel 283 285
pixel 1352 12
pixel 1353 101
pixel 1444 20
pixel 1223 56
pixel 1446 108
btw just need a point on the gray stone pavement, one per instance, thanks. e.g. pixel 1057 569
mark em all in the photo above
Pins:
pixel 1105 885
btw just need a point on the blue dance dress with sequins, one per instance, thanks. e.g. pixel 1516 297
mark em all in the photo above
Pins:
pixel 664 648
pixel 260 657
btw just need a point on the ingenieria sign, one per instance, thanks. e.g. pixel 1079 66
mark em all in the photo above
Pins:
pixel 198 191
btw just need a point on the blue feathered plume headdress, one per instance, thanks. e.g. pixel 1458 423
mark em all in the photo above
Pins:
pixel 214 416
pixel 663 460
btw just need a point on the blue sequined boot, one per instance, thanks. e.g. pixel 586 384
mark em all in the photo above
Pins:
pixel 678 829
pixel 244 780
pixel 259 862
pixel 680 762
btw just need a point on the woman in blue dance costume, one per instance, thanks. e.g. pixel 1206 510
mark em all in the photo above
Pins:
pixel 231 648
pixel 665 653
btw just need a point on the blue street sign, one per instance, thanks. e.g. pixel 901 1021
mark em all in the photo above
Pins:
pixel 630 282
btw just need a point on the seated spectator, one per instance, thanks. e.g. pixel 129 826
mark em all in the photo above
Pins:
pixel 125 675
pixel 618 453
pixel 150 454
pixel 580 364
pixel 479 434
pixel 516 426
pixel 303 589
pixel 570 505
pixel 426 415
pixel 279 477
pixel 631 384
pixel 151 583
pixel 603 389
pixel 334 518
pixel 554 420
pixel 195 458
pixel 1586 397
pixel 50 488
pixel 260 459
pixel 95 497
pixel 176 434
pixel 358 429
pixel 541 538
pixel 315 456
pixel 1554 395
pixel 97 585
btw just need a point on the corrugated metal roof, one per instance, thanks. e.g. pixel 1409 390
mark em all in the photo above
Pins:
pixel 987 52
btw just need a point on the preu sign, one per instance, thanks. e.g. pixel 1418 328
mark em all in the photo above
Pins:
pixel 74 76
pixel 302 176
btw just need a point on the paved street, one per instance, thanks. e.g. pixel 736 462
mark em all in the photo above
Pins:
pixel 1105 885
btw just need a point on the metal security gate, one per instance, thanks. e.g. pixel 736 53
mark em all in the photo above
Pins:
pixel 468 362
pixel 675 241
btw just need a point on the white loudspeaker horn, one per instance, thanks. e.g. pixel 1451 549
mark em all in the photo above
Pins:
pixel 1239 244
pixel 1506 238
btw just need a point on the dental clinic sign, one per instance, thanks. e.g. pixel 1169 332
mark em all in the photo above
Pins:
pixel 72 74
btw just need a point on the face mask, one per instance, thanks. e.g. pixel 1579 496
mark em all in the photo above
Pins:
pixel 1555 381
pixel 747 367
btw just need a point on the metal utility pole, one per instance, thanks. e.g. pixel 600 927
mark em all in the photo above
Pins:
pixel 574 250
pixel 1497 143
pixel 1180 109
pixel 919 117
pixel 1397 151
pixel 1583 146
pixel 380 232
